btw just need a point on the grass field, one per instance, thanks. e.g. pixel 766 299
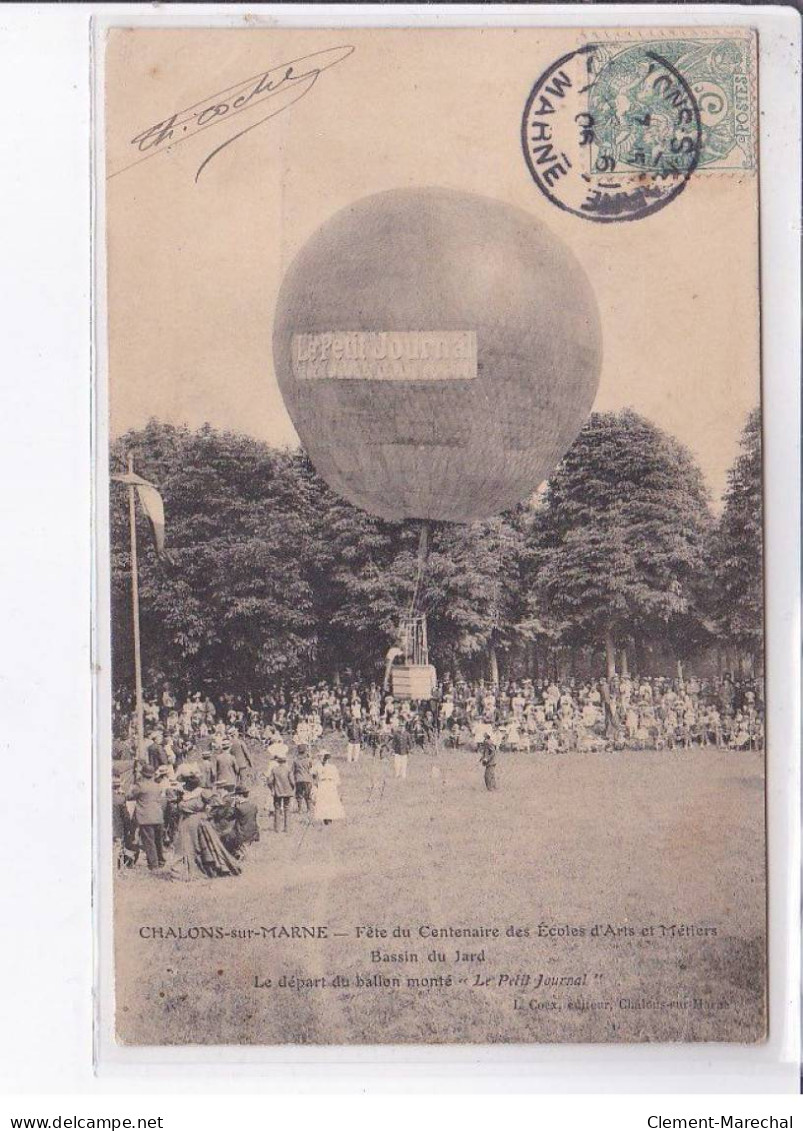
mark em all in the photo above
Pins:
pixel 632 844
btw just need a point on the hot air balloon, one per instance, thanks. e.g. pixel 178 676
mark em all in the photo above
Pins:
pixel 437 352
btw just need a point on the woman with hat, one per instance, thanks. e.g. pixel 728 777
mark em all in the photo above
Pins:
pixel 199 849
pixel 328 806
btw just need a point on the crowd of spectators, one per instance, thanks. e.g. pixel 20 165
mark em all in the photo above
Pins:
pixel 185 798
pixel 621 713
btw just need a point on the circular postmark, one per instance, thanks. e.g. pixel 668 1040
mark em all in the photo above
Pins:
pixel 612 134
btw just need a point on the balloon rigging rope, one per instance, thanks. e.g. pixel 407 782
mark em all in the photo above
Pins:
pixel 423 554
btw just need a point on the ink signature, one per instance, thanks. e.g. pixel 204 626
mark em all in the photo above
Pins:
pixel 281 85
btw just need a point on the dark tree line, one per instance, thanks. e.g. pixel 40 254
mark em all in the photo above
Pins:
pixel 271 578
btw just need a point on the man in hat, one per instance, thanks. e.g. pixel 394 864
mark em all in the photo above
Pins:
pixel 276 746
pixel 149 803
pixel 489 748
pixel 239 753
pixel 302 775
pixel 206 769
pixel 171 786
pixel 225 767
pixel 157 755
pixel 282 785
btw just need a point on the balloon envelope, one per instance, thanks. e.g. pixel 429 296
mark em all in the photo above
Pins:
pixel 437 351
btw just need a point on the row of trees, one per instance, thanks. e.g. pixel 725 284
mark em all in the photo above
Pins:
pixel 272 578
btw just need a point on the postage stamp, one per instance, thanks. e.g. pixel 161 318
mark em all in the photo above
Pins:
pixel 615 130
pixel 721 76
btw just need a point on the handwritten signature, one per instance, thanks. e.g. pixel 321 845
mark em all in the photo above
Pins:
pixel 281 85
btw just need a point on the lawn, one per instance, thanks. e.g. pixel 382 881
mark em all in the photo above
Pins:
pixel 603 897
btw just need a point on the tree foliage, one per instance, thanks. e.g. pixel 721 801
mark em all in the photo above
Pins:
pixel 272 578
pixel 620 538
pixel 737 546
pixel 233 603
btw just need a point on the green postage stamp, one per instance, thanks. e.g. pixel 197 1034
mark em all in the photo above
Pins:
pixel 616 129
pixel 628 111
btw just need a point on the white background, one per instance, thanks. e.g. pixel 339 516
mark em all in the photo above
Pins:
pixel 47 946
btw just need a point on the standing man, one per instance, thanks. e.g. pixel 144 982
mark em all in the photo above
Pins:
pixel 239 753
pixel 149 806
pixel 488 751
pixel 354 738
pixel 282 785
pixel 156 752
pixel 302 776
pixel 401 750
pixel 225 768
pixel 206 769
pixel 167 704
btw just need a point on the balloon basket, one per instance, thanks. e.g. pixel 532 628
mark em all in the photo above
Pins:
pixel 413 681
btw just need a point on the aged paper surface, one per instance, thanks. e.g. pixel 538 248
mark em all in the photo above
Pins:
pixel 409 746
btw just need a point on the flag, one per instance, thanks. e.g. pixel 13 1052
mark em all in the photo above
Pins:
pixel 151 502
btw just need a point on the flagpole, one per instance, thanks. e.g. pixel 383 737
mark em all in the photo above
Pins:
pixel 132 518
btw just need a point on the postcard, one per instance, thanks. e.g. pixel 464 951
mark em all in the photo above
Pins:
pixel 435 535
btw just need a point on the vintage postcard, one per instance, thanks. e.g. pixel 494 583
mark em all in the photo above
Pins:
pixel 435 535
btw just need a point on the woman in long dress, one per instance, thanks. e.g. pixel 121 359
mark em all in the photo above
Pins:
pixel 199 850
pixel 328 806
